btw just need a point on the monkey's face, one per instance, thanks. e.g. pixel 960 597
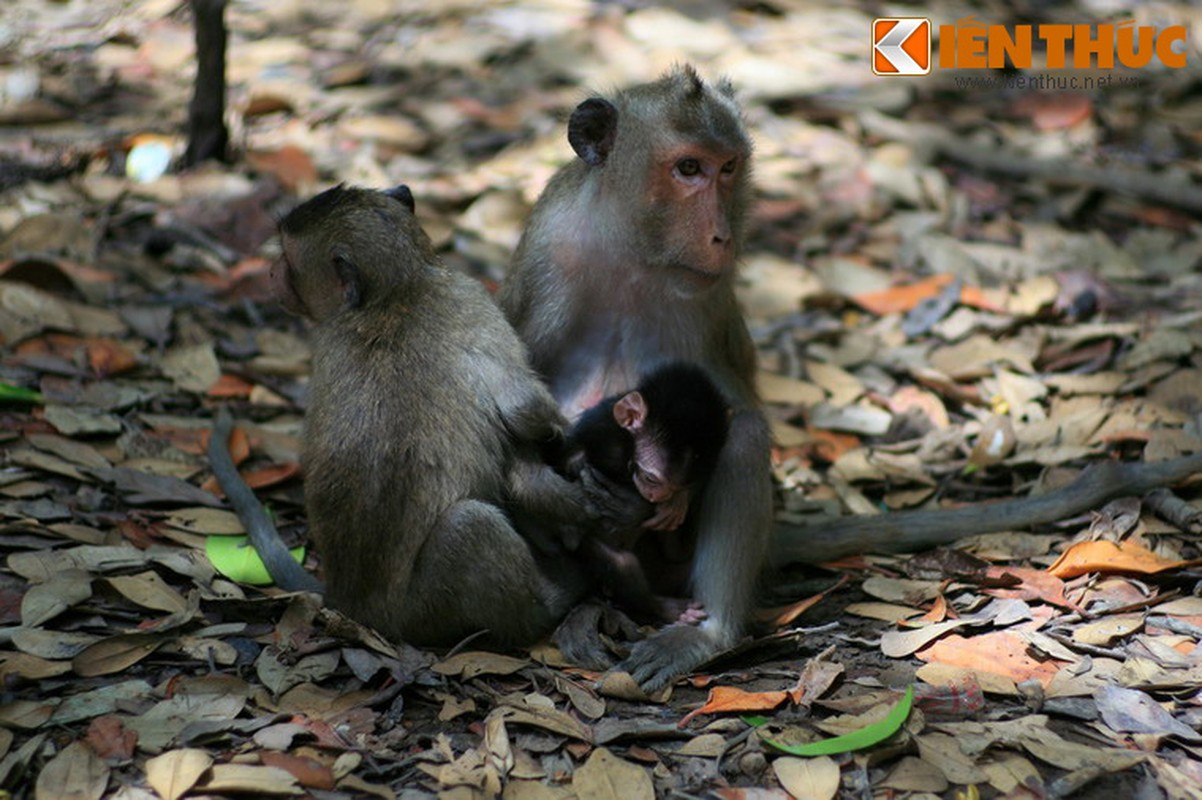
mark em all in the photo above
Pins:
pixel 653 484
pixel 696 199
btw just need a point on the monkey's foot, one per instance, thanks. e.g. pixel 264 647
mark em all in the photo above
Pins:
pixel 692 614
pixel 584 636
pixel 669 654
pixel 672 610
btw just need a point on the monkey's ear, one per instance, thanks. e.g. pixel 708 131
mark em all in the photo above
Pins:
pixel 348 276
pixel 592 130
pixel 401 192
pixel 630 411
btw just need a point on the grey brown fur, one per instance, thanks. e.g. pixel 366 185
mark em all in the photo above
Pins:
pixel 424 425
pixel 628 263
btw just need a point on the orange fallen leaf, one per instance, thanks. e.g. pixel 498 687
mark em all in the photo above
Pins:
pixel 830 445
pixel 779 617
pixel 307 771
pixel 900 299
pixel 938 612
pixel 109 357
pixel 1106 557
pixel 196 441
pixel 42 271
pixel 104 356
pixel 230 386
pixel 1051 112
pixel 290 165
pixel 239 445
pixel 1035 584
pixel 997 652
pixel 726 699
pixel 259 478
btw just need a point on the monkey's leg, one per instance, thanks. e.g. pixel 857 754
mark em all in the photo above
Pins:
pixel 474 573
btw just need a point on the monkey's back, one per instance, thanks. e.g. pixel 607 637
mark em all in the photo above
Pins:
pixel 403 422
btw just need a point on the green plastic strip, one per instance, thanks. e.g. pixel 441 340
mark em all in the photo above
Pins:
pixel 18 394
pixel 234 558
pixel 856 740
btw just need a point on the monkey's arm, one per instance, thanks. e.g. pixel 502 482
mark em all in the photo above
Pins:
pixel 670 514
pixel 906 531
pixel 734 523
pixel 537 489
pixel 286 573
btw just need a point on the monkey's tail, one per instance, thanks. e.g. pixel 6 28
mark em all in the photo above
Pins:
pixel 286 573
pixel 907 531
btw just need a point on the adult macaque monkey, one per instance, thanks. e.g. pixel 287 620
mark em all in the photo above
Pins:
pixel 628 262
pixel 425 426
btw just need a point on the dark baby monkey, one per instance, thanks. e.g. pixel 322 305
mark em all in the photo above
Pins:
pixel 425 425
pixel 657 444
pixel 661 439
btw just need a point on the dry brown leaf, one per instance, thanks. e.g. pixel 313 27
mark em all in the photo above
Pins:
pixel 474 663
pixel 45 601
pixel 902 643
pixel 116 653
pixel 76 773
pixel 1106 631
pixel 15 666
pixel 149 590
pixel 1132 711
pixel 808 778
pixel 606 777
pixel 551 719
pixel 707 745
pixel 251 779
pixel 915 775
pixel 775 388
pixel 173 773
pixel 192 368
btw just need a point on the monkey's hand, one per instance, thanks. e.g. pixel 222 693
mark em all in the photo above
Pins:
pixel 613 508
pixel 669 653
pixel 669 515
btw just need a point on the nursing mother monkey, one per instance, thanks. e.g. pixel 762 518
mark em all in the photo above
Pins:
pixel 628 262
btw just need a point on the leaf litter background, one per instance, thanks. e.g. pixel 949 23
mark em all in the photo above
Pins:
pixel 930 332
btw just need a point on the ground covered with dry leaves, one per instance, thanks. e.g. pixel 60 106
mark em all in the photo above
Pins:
pixel 933 330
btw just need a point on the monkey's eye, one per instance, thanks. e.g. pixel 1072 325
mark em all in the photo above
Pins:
pixel 729 166
pixel 688 167
pixel 650 479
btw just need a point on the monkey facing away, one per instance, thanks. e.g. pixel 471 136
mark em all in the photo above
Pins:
pixel 628 263
pixel 424 423
pixel 658 443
